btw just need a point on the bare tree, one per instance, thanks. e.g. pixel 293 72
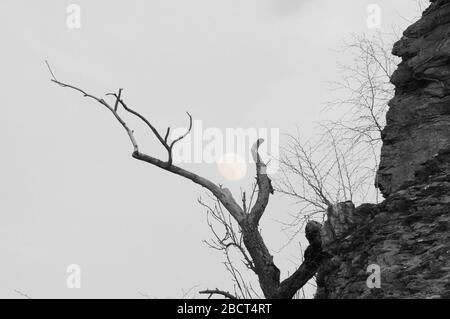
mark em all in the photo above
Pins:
pixel 366 89
pixel 316 174
pixel 256 254
pixel 341 163
pixel 227 238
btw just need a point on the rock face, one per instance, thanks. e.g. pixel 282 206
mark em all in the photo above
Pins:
pixel 418 120
pixel 408 235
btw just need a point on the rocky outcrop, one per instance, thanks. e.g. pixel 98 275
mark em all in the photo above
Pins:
pixel 418 120
pixel 408 235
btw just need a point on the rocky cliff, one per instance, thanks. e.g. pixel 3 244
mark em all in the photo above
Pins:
pixel 418 120
pixel 408 235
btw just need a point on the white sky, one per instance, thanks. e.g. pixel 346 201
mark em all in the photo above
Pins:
pixel 70 193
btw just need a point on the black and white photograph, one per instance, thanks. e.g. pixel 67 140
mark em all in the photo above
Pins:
pixel 224 154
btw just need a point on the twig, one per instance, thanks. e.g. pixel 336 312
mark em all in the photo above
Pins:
pixel 50 69
pixel 22 294
pixel 216 291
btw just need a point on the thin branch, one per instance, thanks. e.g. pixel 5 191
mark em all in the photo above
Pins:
pixel 104 103
pixel 216 291
pixel 50 70
pixel 22 294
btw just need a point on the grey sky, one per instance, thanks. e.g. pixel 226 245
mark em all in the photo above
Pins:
pixel 70 193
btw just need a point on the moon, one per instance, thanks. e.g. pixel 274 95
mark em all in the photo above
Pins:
pixel 232 167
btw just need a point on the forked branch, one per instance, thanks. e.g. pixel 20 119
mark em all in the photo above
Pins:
pixel 259 258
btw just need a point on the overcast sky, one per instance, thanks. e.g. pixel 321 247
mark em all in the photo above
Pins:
pixel 70 193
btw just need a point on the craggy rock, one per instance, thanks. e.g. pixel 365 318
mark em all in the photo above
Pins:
pixel 418 120
pixel 408 235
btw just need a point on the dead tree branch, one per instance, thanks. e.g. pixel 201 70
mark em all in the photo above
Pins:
pixel 216 291
pixel 256 253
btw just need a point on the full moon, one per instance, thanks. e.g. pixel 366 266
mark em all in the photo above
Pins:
pixel 232 167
